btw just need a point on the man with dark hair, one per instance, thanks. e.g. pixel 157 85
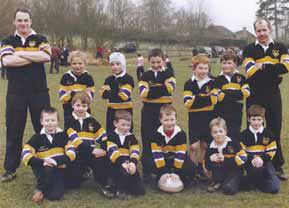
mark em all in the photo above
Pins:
pixel 265 61
pixel 23 54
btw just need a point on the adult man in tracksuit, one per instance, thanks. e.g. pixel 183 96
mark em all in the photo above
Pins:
pixel 23 54
pixel 265 61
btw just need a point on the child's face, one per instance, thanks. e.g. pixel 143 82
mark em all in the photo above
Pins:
pixel 77 64
pixel 49 121
pixel 201 71
pixel 80 108
pixel 219 134
pixel 169 121
pixel 116 68
pixel 156 63
pixel 256 122
pixel 228 66
pixel 123 126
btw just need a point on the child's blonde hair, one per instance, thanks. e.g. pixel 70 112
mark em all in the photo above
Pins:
pixel 167 109
pixel 200 59
pixel 77 54
pixel 82 96
pixel 220 122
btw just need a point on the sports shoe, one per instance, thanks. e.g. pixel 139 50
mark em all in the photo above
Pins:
pixel 281 175
pixel 37 196
pixel 105 190
pixel 8 176
pixel 214 187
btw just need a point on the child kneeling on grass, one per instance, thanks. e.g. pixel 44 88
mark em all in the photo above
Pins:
pixel 48 153
pixel 124 153
pixel 169 149
pixel 225 158
pixel 260 145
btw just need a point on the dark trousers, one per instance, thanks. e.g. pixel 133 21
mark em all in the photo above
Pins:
pixel 129 184
pixel 16 114
pixel 3 72
pixel 263 178
pixel 227 174
pixel 100 166
pixel 50 182
pixel 150 121
pixel 54 63
pixel 110 113
pixel 273 116
pixel 139 72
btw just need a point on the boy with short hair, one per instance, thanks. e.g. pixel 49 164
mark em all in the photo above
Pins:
pixel 117 89
pixel 75 80
pixel 260 145
pixel 140 66
pixel 169 148
pixel 225 158
pixel 234 89
pixel 48 153
pixel 155 88
pixel 89 139
pixel 200 98
pixel 124 152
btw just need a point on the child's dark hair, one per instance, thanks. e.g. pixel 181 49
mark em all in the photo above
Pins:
pixel 256 110
pixel 48 110
pixel 167 109
pixel 228 55
pixel 156 52
pixel 139 55
pixel 122 114
pixel 82 96
pixel 23 10
pixel 218 122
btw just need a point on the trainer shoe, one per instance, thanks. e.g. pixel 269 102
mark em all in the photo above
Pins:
pixel 281 175
pixel 8 176
pixel 37 196
pixel 105 190
pixel 214 187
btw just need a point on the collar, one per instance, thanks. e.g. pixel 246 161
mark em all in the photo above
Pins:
pixel 260 130
pixel 121 74
pixel 162 69
pixel 32 32
pixel 215 145
pixel 234 72
pixel 70 72
pixel 263 46
pixel 87 115
pixel 177 129
pixel 203 80
pixel 119 134
pixel 227 76
pixel 44 132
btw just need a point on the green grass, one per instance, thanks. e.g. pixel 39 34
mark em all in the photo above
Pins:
pixel 19 192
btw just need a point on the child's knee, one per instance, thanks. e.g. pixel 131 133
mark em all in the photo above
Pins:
pixel 229 189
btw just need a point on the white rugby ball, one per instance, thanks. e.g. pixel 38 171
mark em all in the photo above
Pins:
pixel 167 184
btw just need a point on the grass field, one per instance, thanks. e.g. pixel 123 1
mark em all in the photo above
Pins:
pixel 18 193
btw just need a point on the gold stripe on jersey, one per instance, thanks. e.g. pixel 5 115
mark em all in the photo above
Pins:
pixel 125 105
pixel 29 152
pixel 231 86
pixel 163 99
pixel 134 151
pixel 143 89
pixel 56 151
pixel 267 60
pixel 285 60
pixel 250 67
pixel 170 84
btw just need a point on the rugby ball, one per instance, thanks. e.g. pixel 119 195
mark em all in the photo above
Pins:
pixel 167 184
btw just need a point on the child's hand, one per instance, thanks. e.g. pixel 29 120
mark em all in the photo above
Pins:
pixel 214 157
pixel 131 168
pixel 125 165
pixel 257 162
pixel 50 162
pixel 98 152
pixel 105 87
pixel 220 157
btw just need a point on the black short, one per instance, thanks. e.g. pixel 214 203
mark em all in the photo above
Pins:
pixel 199 126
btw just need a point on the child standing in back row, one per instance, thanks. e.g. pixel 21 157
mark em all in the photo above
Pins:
pixel 234 90
pixel 75 80
pixel 117 89
pixel 200 98
pixel 155 87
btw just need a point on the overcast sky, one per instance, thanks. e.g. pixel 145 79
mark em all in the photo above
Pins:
pixel 233 14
